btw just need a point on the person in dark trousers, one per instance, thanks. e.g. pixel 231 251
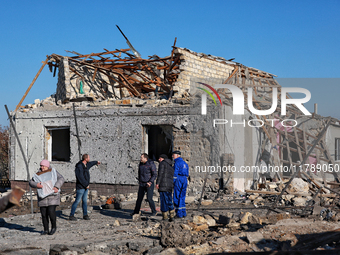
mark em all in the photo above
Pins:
pixel 48 182
pixel 165 185
pixel 147 174
pixel 181 174
pixel 82 185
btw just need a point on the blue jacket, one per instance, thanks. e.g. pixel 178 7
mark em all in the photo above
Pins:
pixel 83 174
pixel 181 168
pixel 147 172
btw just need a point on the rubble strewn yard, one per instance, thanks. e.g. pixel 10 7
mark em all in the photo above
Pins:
pixel 240 223
pixel 115 105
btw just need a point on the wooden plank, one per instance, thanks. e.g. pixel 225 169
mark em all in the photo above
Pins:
pixel 232 74
pixel 298 147
pixel 30 86
pixel 321 134
pixel 96 54
pixel 75 71
pixel 94 74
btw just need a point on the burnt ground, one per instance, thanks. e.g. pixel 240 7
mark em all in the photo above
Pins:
pixel 113 231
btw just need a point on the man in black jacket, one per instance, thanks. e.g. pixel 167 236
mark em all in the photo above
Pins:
pixel 82 185
pixel 147 174
pixel 165 185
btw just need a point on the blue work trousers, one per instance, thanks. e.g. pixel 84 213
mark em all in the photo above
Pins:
pixel 166 201
pixel 81 195
pixel 180 189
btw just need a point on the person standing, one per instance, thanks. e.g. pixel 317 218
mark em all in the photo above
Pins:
pixel 147 174
pixel 48 183
pixel 181 174
pixel 165 184
pixel 82 185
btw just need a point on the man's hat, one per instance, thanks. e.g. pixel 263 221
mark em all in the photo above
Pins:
pixel 176 152
pixel 163 156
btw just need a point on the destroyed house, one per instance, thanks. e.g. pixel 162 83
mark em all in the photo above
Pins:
pixel 115 106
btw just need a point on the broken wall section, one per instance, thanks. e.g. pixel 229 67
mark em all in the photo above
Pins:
pixel 77 83
pixel 200 67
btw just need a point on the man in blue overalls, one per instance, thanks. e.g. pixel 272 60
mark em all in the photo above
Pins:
pixel 181 173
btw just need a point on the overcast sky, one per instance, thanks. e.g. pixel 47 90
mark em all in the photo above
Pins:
pixel 291 39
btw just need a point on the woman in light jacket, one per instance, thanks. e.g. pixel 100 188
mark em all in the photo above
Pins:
pixel 48 183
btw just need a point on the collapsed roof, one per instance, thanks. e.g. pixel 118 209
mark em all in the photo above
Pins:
pixel 118 77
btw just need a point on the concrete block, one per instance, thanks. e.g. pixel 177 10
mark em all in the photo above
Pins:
pixel 189 199
pixel 210 220
pixel 206 202
pixel 254 237
pixel 300 201
pixel 197 219
pixel 245 218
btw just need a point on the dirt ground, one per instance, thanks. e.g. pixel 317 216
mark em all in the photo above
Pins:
pixel 113 231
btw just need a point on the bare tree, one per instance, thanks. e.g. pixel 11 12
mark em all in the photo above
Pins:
pixel 4 152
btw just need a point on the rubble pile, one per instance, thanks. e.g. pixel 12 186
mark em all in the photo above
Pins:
pixel 239 227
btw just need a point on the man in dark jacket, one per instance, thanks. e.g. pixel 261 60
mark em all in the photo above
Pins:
pixel 165 185
pixel 82 185
pixel 147 174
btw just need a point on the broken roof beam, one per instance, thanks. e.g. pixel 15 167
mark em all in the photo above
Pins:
pixel 128 86
pixel 96 54
pixel 321 134
pixel 30 86
pixel 158 81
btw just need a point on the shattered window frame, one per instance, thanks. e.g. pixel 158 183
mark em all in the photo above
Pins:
pixel 49 137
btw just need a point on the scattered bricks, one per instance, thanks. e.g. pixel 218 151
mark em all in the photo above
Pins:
pixel 197 219
pixel 272 219
pixel 254 237
pixel 126 101
pixel 201 227
pixel 189 199
pixel 298 186
pixel 210 220
pixel 185 226
pixel 287 197
pixel 121 197
pixel 232 225
pixel 253 197
pixel 272 185
pixel 290 237
pixel 103 198
pixel 300 201
pixel 253 219
pixel 206 202
pixel 136 217
pixel 245 218
pixel 220 241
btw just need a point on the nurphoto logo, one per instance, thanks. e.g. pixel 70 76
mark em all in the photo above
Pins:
pixel 238 99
